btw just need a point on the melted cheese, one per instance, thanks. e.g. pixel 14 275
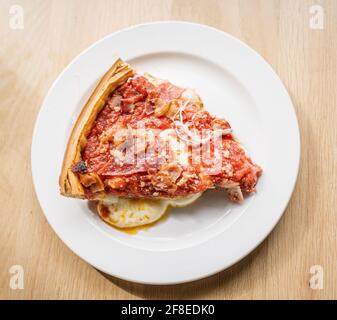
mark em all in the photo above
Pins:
pixel 127 213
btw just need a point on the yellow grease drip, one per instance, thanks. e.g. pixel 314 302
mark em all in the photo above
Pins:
pixel 145 227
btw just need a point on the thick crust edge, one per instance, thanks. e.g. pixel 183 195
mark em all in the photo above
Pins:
pixel 69 183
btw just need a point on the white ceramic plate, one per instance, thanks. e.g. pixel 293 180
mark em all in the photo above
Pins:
pixel 212 234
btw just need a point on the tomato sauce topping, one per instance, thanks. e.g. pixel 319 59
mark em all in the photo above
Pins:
pixel 139 104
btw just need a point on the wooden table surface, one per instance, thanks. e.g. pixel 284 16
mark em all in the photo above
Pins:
pixel 54 32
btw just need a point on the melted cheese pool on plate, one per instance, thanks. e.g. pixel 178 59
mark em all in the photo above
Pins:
pixel 128 213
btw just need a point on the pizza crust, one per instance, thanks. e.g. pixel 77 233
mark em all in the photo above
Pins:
pixel 69 182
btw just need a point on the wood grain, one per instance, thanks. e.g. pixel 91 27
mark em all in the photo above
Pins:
pixel 305 59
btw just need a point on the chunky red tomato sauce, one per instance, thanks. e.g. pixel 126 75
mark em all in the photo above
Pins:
pixel 137 102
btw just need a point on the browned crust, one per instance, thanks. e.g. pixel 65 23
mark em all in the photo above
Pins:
pixel 69 182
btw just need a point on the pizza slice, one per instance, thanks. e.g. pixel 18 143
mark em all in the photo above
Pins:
pixel 141 144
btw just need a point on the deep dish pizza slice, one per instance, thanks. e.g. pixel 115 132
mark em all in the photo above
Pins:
pixel 140 140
